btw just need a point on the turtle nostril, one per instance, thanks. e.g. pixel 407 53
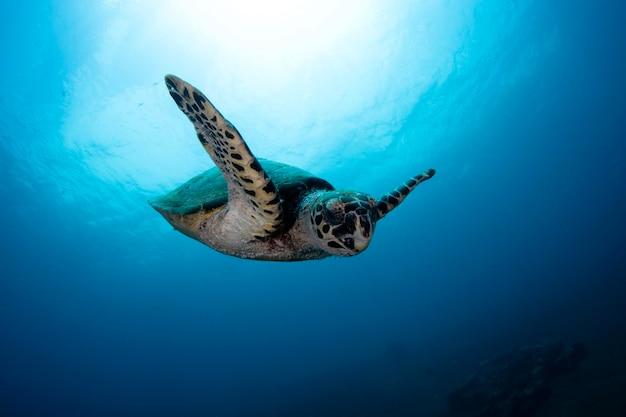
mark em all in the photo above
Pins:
pixel 361 211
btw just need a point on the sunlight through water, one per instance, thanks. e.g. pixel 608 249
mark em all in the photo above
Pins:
pixel 300 82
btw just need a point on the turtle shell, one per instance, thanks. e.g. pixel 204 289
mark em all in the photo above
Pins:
pixel 208 191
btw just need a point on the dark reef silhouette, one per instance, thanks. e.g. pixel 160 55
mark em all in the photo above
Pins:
pixel 515 384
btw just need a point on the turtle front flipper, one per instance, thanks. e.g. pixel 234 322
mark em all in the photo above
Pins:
pixel 393 199
pixel 250 190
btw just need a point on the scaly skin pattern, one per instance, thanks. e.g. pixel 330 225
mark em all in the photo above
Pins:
pixel 252 194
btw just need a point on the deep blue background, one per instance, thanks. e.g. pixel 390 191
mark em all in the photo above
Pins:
pixel 520 238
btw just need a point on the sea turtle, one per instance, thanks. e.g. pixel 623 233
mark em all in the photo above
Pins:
pixel 259 209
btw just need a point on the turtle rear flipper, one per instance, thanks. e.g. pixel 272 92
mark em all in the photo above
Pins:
pixel 250 190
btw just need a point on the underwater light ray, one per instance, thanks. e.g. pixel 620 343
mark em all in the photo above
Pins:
pixel 301 81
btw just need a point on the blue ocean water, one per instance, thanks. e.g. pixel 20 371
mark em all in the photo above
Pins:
pixel 519 239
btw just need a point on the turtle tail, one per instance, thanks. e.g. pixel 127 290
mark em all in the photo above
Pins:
pixel 393 199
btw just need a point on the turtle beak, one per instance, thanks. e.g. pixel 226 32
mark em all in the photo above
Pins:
pixel 364 232
pixel 361 243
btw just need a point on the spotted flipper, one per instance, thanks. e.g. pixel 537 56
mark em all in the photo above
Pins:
pixel 250 191
pixel 393 199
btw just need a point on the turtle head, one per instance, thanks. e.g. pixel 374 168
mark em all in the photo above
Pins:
pixel 344 221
